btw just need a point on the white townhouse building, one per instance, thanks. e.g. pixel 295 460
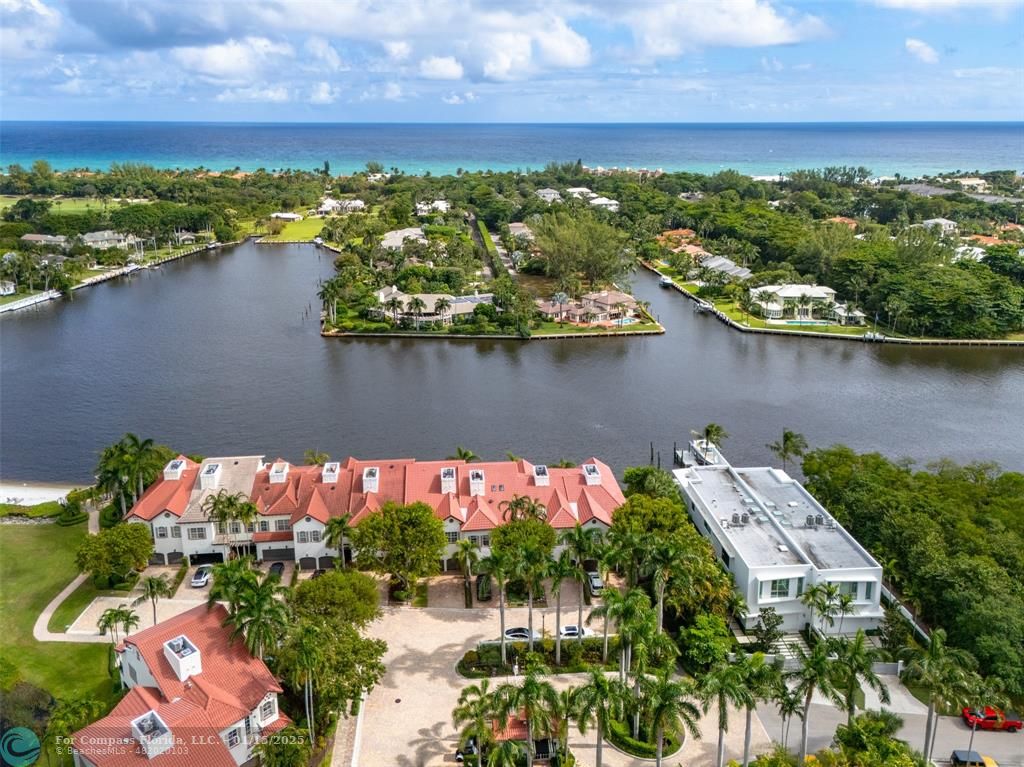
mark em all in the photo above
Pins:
pixel 778 541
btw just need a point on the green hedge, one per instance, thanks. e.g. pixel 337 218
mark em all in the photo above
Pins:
pixel 492 252
pixel 618 735
pixel 179 576
pixel 72 519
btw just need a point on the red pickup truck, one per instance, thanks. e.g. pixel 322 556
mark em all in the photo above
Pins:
pixel 989 718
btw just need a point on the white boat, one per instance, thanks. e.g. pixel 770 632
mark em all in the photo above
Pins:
pixel 665 281
pixel 318 241
pixel 213 245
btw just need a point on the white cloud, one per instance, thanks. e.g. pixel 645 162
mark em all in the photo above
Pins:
pixel 399 50
pixel 459 98
pixel 234 59
pixel 273 94
pixel 441 68
pixel 324 93
pixel 771 64
pixel 324 53
pixel 27 28
pixel 386 92
pixel 509 57
pixel 920 50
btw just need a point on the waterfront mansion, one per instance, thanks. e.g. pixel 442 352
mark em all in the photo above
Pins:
pixel 777 541
pixel 294 503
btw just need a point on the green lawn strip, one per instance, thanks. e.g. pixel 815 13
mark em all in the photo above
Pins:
pixel 568 329
pixel 306 229
pixel 77 601
pixel 36 562
pixel 45 509
pixel 17 297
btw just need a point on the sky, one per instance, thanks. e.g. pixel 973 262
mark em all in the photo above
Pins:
pixel 512 61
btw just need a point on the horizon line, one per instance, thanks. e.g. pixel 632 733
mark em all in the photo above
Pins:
pixel 520 122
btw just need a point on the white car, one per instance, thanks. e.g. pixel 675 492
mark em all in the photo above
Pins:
pixel 521 634
pixel 202 576
pixel 595 583
pixel 574 632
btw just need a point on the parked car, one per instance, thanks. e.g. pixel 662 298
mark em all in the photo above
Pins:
pixel 594 583
pixel 483 587
pixel 960 758
pixel 521 634
pixel 573 631
pixel 202 576
pixel 991 718
pixel 277 569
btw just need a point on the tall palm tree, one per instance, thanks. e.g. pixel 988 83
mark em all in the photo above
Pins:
pixel 306 643
pixel 815 674
pixel 508 753
pixel 394 305
pixel 713 433
pixel 792 445
pixel 853 667
pixel 940 670
pixel 334 534
pixel 316 457
pixel 463 454
pixel 154 588
pixel 222 507
pixel 595 702
pixel 108 621
pixel 560 299
pixel 789 704
pixel 670 709
pixel 582 544
pixel 230 579
pixel 560 569
pixel 522 507
pixel 531 565
pixel 724 685
pixel 804 302
pixel 474 712
pixel 668 558
pixel 112 473
pixel 535 699
pixel 500 565
pixel 467 554
pixel 635 621
pixel 416 305
pixel 610 610
pixel 261 616
pixel 564 712
pixel 143 460
pixel 442 306
pixel 984 691
pixel 245 515
pixel 761 679
pixel 628 551
pixel 128 618
pixel 822 599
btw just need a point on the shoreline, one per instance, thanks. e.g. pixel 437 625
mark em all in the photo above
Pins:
pixel 33 492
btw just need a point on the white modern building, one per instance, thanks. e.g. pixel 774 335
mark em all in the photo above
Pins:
pixel 434 206
pixel 943 225
pixel 549 195
pixel 606 203
pixel 778 541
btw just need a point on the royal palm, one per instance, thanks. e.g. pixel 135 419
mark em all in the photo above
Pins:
pixel 670 709
pixel 723 686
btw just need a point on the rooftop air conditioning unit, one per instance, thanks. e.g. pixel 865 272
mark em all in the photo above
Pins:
pixel 736 519
pixel 173 470
pixel 541 478
pixel 210 477
pixel 809 521
pixel 819 520
pixel 371 479
pixel 330 473
pixel 745 518
pixel 449 482
pixel 477 483
pixel 278 473
pixel 591 474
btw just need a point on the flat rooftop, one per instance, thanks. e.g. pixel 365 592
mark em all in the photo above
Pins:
pixel 236 473
pixel 777 506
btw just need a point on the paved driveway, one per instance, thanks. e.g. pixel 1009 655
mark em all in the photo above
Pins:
pixel 407 717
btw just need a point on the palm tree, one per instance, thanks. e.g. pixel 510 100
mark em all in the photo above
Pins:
pixel 581 544
pixel 474 713
pixel 595 702
pixel 522 507
pixel 531 565
pixel 761 679
pixel 499 564
pixel 940 670
pixel 108 621
pixel 306 645
pixel 334 534
pixel 845 606
pixel 853 668
pixel 416 306
pixel 329 294
pixel 713 433
pixel 983 691
pixel 143 460
pixel 792 445
pixel 128 618
pixel 561 299
pixel 245 515
pixel 535 700
pixel 222 508
pixel 394 305
pixel 635 622
pixel 789 704
pixel 463 454
pixel 153 589
pixel 68 715
pixel 814 675
pixel 822 598
pixel 724 685
pixel 564 711
pixel 315 457
pixel 508 753
pixel 112 473
pixel 857 284
pixel 667 558
pixel 670 710
pixel 559 570
pixel 746 304
pixel 230 579
pixel 804 302
pixel 467 554
pixel 441 306
pixel 610 610
pixel 261 616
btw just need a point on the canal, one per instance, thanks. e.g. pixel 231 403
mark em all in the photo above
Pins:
pixel 219 354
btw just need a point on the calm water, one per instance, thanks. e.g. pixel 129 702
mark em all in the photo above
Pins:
pixel 886 148
pixel 215 355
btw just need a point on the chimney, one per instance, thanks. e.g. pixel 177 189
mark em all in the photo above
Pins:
pixel 476 482
pixel 210 477
pixel 591 474
pixel 448 480
pixel 330 473
pixel 371 479
pixel 278 473
pixel 173 470
pixel 541 478
pixel 183 657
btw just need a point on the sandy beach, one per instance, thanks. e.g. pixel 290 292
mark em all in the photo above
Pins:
pixel 31 493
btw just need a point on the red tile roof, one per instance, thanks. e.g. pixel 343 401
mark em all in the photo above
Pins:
pixel 514 729
pixel 167 495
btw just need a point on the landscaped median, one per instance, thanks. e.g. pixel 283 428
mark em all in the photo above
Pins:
pixel 578 656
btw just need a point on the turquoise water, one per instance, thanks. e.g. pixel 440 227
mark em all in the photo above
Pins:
pixel 760 149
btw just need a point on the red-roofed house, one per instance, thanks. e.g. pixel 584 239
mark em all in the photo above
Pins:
pixel 294 503
pixel 195 699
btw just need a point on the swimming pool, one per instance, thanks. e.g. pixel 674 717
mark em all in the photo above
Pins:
pixel 805 322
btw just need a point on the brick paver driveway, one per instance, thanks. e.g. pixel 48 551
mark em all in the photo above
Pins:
pixel 407 718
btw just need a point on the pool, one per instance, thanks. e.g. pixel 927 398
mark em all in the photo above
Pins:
pixel 805 322
pixel 627 321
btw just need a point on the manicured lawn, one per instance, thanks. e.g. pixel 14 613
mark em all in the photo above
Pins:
pixel 555 327
pixel 17 297
pixel 306 229
pixel 73 606
pixel 36 562
pixel 47 509
pixel 64 205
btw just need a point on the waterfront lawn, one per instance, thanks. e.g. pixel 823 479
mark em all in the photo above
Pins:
pixel 548 327
pixel 734 313
pixel 36 562
pixel 306 229
pixel 69 610
pixel 18 296
pixel 47 509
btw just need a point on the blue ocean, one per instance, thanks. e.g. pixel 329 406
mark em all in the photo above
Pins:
pixel 911 149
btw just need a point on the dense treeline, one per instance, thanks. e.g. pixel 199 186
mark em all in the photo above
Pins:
pixel 950 538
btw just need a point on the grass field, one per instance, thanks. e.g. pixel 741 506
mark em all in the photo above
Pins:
pixel 73 606
pixel 306 229
pixel 36 562
pixel 47 509
pixel 68 205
